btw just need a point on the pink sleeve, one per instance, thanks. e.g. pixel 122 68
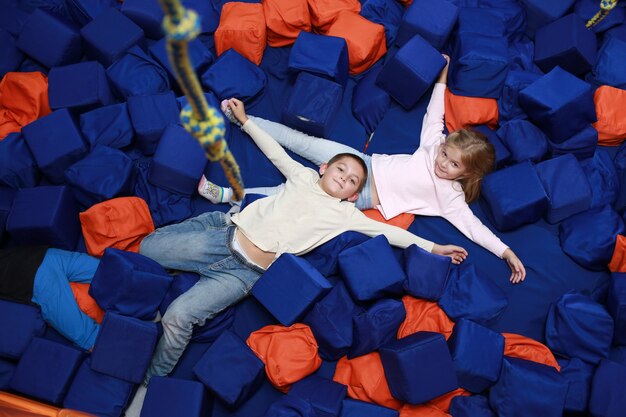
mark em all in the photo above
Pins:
pixel 432 126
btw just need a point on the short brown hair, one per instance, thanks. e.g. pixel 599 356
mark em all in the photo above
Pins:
pixel 358 159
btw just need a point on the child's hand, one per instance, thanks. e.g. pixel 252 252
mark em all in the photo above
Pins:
pixel 443 75
pixel 238 109
pixel 456 253
pixel 518 272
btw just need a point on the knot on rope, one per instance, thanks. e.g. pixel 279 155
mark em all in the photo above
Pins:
pixel 210 132
pixel 608 4
pixel 605 7
pixel 186 29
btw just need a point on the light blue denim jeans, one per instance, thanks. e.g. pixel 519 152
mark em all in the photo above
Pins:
pixel 203 245
pixel 317 150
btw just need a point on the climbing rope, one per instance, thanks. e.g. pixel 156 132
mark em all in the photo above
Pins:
pixel 205 123
pixel 605 7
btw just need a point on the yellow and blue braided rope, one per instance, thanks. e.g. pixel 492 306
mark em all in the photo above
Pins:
pixel 605 7
pixel 205 123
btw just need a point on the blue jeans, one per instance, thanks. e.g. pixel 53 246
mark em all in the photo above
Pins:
pixel 317 150
pixel 53 294
pixel 203 245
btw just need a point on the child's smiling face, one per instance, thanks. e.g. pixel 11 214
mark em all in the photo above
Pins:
pixel 342 179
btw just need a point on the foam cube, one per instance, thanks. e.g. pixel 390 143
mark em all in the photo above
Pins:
pixel 50 39
pixel 410 72
pixel 321 55
pixel 83 11
pixel 80 87
pixel 566 42
pixel 57 225
pixel 470 406
pixel 607 69
pixel 479 65
pixel 13 19
pixel 524 140
pixel 508 103
pixel 523 388
pixel 514 196
pixel 124 347
pixel 200 56
pixel 370 102
pixel 242 27
pixel 356 408
pixel 433 21
pixel 376 326
pixel 578 326
pixel 150 115
pixel 370 270
pixel 603 177
pixel 292 406
pixel 146 14
pixel 325 395
pixel 17 165
pixel 481 20
pixel 608 398
pixel 566 185
pixel 427 273
pixel 7 195
pixel 477 355
pixel 97 393
pixel 19 324
pixel 289 287
pixel 559 103
pixel 7 369
pixel 418 367
pixel 233 75
pixel 313 105
pixel 10 56
pixel 285 20
pixel 108 126
pixel 109 35
pixel 230 369
pixel 56 143
pixel 582 145
pixel 579 375
pixel 616 304
pixel 120 278
pixel 539 13
pixel 135 73
pixel 46 369
pixel 472 296
pixel 386 13
pixel 168 397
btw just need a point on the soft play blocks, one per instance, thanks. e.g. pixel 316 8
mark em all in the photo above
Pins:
pixel 17 165
pixel 386 13
pixel 322 55
pixel 325 12
pixel 370 102
pixel 370 270
pixel 616 304
pixel 410 72
pixel 146 14
pixel 7 369
pixel 470 406
pixel 579 375
pixel 559 103
pixel 566 42
pixel 480 20
pixel 129 283
pixel 7 195
pixel 233 75
pixel 108 126
pixel 46 369
pixel 603 177
pixel 56 143
pixel 313 105
pixel 109 35
pixel 50 39
pixel 242 27
pixel 19 324
pixel 533 148
pixel 433 21
pixel 103 174
pixel 230 369
pixel 178 162
pixel 150 115
pixel 376 326
pixel 124 347
pixel 477 355
pixel 356 408
pixel 523 388
pixel 286 20
pixel 508 102
pixel 607 70
pixel 135 73
pixel 515 196
pixel 539 13
pixel 566 185
pixel 582 145
pixel 289 287
pixel 200 56
pixel 10 56
pixel 418 367
pixel 578 326
pixel 291 405
pixel 168 397
pixel 79 87
pixel 324 395
pixel 57 225
pixel 427 273
pixel 608 398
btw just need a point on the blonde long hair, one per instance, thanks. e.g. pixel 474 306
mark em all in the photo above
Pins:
pixel 478 157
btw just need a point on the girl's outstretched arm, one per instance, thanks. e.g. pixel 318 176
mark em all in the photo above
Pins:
pixel 518 272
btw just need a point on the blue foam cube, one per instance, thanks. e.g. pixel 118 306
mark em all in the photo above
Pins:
pixel 80 87
pixel 289 288
pixel 200 56
pixel 534 145
pixel 386 13
pixel 608 398
pixel 17 165
pixel 325 395
pixel 321 55
pixel 616 304
pixel 135 74
pixel 582 145
pixel 7 195
pixel 108 126
pixel 376 326
pixel 427 273
pixel 150 115
pixel 7 369
pixel 470 406
pixel 539 13
pixel 356 408
pixel 607 69
pixel 147 14
pixel 233 75
pixel 290 405
pixel 579 375
pixel 19 324
pixel 508 103
pixel 10 56
pixel 370 102
pixel 433 21
pixel 168 397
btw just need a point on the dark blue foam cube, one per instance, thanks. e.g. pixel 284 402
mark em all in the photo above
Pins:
pixel 58 225
pixel 150 115
pixel 508 102
pixel 418 367
pixel 10 56
pixel 539 13
pixel 582 145
pixel 289 288
pixel 370 102
pixel 325 395
pixel 579 375
pixel 129 283
pixel 470 406
pixel 376 326
pixel 109 35
pixel 483 20
pixel 477 355
pixel 137 74
pixel 608 397
pixel 607 70
pixel 233 75
pixel 19 324
pixel 533 148
pixel 17 165
pixel 168 397
pixel 515 196
pixel 427 273
pixel 46 369
pixel 616 304
pixel 7 195
pixel 370 270
pixel 108 126
pixel 433 21
pixel 7 369
pixel 230 369
pixel 178 162
pixel 56 143
pixel 320 54
pixel 124 347
pixel 411 71
pixel 50 39
pixel 356 408
pixel 146 14
pixel 290 405
pixel 200 56
pixel 80 87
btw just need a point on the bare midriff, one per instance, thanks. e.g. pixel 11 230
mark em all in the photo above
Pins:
pixel 256 254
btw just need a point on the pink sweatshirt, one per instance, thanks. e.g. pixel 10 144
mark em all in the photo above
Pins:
pixel 408 184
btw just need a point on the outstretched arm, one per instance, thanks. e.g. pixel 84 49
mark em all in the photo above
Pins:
pixel 518 272
pixel 432 125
